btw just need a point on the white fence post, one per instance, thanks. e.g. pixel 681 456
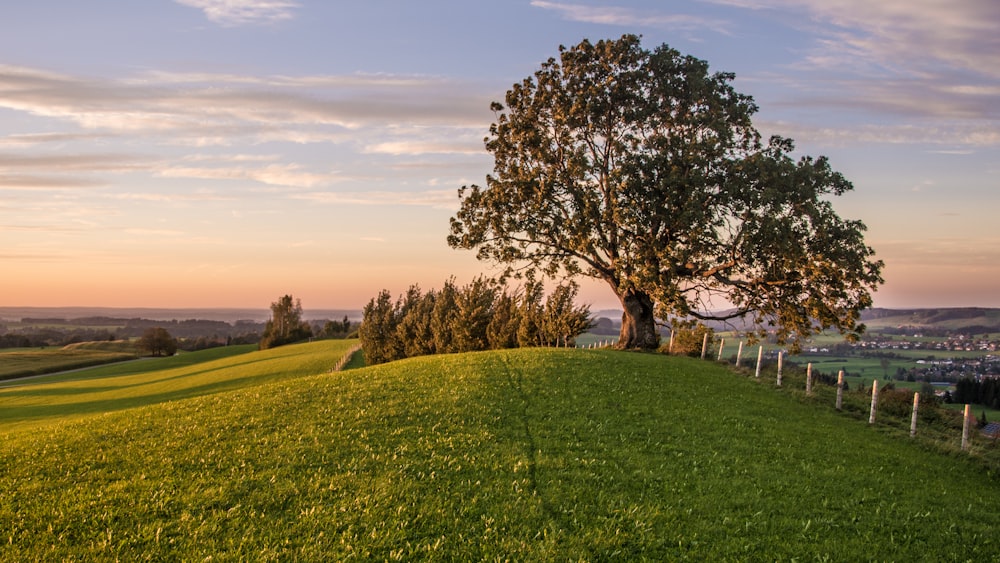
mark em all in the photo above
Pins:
pixel 871 417
pixel 913 419
pixel 739 354
pixel 704 346
pixel 722 344
pixel 809 378
pixel 840 389
pixel 781 357
pixel 965 427
pixel 760 357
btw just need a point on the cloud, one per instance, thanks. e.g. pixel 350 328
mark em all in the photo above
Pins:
pixel 64 171
pixel 28 182
pixel 907 37
pixel 438 199
pixel 289 175
pixel 37 139
pixel 629 17
pixel 205 109
pixel 75 162
pixel 397 148
pixel 961 133
pixel 934 63
pixel 232 13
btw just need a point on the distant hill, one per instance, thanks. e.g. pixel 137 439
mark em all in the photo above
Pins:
pixel 961 319
pixel 231 315
pixel 944 319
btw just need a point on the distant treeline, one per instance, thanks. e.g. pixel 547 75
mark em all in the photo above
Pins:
pixel 985 391
pixel 191 334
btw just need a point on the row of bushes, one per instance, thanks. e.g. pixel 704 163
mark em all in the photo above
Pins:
pixel 483 315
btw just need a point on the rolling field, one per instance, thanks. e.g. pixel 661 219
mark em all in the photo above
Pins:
pixel 156 380
pixel 21 362
pixel 531 455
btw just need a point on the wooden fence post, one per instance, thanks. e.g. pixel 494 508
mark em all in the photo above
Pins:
pixel 809 378
pixel 913 419
pixel 760 357
pixel 722 344
pixel 840 390
pixel 871 417
pixel 704 346
pixel 739 354
pixel 781 356
pixel 670 348
pixel 965 427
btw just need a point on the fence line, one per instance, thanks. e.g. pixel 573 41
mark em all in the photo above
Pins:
pixel 967 416
pixel 346 358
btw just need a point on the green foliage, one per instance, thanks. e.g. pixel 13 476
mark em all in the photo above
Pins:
pixel 689 337
pixel 286 325
pixel 527 455
pixel 643 169
pixel 337 329
pixel 156 341
pixel 482 315
pixel 378 328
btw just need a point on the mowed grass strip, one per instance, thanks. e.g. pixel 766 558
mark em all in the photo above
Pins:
pixel 149 381
pixel 529 455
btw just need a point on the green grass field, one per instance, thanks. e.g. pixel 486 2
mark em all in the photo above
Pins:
pixel 156 380
pixel 529 455
pixel 23 362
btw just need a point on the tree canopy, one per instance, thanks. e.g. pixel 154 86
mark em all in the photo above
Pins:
pixel 157 342
pixel 483 315
pixel 286 324
pixel 643 169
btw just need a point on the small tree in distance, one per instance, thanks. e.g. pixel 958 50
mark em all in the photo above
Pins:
pixel 286 324
pixel 157 342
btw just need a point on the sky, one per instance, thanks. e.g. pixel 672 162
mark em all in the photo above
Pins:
pixel 223 153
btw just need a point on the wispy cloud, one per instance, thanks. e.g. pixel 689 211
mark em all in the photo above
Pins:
pixel 439 199
pixel 161 113
pixel 969 134
pixel 37 139
pixel 64 171
pixel 273 174
pixel 242 12
pixel 935 63
pixel 632 17
pixel 206 106
pixel 913 35
pixel 30 182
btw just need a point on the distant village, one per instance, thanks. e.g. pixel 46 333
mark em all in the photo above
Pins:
pixel 948 359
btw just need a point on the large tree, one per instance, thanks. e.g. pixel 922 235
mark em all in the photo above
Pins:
pixel 643 169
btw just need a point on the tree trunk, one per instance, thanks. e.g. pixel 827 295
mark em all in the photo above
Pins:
pixel 638 323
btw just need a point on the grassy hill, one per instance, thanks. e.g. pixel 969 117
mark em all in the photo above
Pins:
pixel 156 380
pixel 524 455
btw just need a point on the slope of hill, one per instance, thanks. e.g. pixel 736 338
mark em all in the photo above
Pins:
pixel 977 319
pixel 522 455
pixel 964 319
pixel 151 381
